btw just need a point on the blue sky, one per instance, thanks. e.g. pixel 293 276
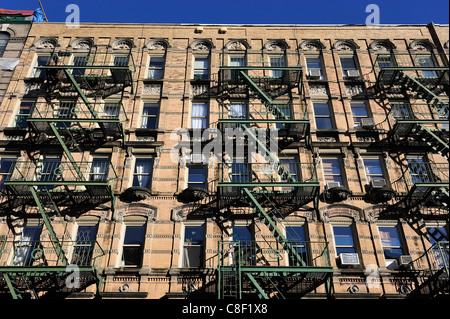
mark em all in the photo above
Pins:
pixel 242 11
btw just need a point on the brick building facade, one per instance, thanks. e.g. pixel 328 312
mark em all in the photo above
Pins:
pixel 88 164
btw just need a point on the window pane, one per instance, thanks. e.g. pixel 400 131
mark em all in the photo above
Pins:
pixel 313 63
pixel 194 235
pixel 343 236
pixel 389 237
pixel 359 109
pixel 373 167
pixel 323 123
pixel 237 61
pixel 241 233
pixel 348 63
pixel 201 63
pixel 143 172
pixel 331 166
pixel 296 233
pixel 134 235
pixel 321 109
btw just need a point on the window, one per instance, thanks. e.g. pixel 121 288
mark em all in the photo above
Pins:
pixel 143 171
pixel 238 111
pixel 384 61
pixel 42 60
pixel 277 61
pixel 121 60
pixel 237 60
pixel 418 170
pixel 29 241
pixel 348 63
pixel 197 176
pixel 343 239
pixel 239 171
pixel 390 241
pixel 5 168
pixel 332 171
pixel 156 68
pixel 399 110
pixel 359 111
pixel 322 116
pixel 79 60
pixel 296 236
pixel 4 38
pixel 199 117
pixel 84 245
pixel 291 166
pixel 244 252
pixel 50 171
pixel 426 61
pixel 437 234
pixel 193 246
pixel 99 169
pixel 133 246
pixel 201 68
pixel 66 110
pixel 373 169
pixel 242 233
pixel 286 110
pixel 150 114
pixel 314 65
pixel 25 110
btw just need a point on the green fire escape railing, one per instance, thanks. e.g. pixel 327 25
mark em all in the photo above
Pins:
pixel 258 182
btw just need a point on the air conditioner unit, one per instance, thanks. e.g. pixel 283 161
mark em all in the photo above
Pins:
pixel 331 185
pixel 348 259
pixel 404 261
pixel 352 73
pixel 315 73
pixel 378 183
pixel 366 123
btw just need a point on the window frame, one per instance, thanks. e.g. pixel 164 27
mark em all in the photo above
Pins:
pixel 346 69
pixel 162 68
pixel 25 116
pixel 357 118
pixel 126 226
pixel 382 167
pixel 352 234
pixel 183 256
pixel 204 184
pixel 319 57
pixel 329 116
pixel 205 73
pixel 4 40
pixel 150 174
pixel 341 171
pixel 156 105
pixel 4 175
pixel 389 262
pixel 204 118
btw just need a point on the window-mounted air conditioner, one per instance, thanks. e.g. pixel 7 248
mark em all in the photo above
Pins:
pixel 315 74
pixel 353 73
pixel 331 185
pixel 404 261
pixel 366 123
pixel 378 183
pixel 348 259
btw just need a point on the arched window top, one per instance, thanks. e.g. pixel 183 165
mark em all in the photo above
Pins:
pixel 4 38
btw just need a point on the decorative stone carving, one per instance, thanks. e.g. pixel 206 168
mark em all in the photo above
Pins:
pixel 202 45
pixel 158 45
pixel 151 88
pixel 237 45
pixel 83 44
pixel 46 43
pixel 198 89
pixel 345 45
pixel 354 89
pixel 122 44
pixel 311 45
pixel 276 45
pixel 421 45
pixel 382 45
pixel 318 89
pixel 341 210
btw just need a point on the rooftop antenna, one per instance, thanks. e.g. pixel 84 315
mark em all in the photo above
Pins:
pixel 42 8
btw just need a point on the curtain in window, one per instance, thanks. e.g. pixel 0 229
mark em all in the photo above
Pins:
pixel 99 170
pixel 24 248
pixel 142 171
pixel 156 68
pixel 199 113
pixel 238 111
